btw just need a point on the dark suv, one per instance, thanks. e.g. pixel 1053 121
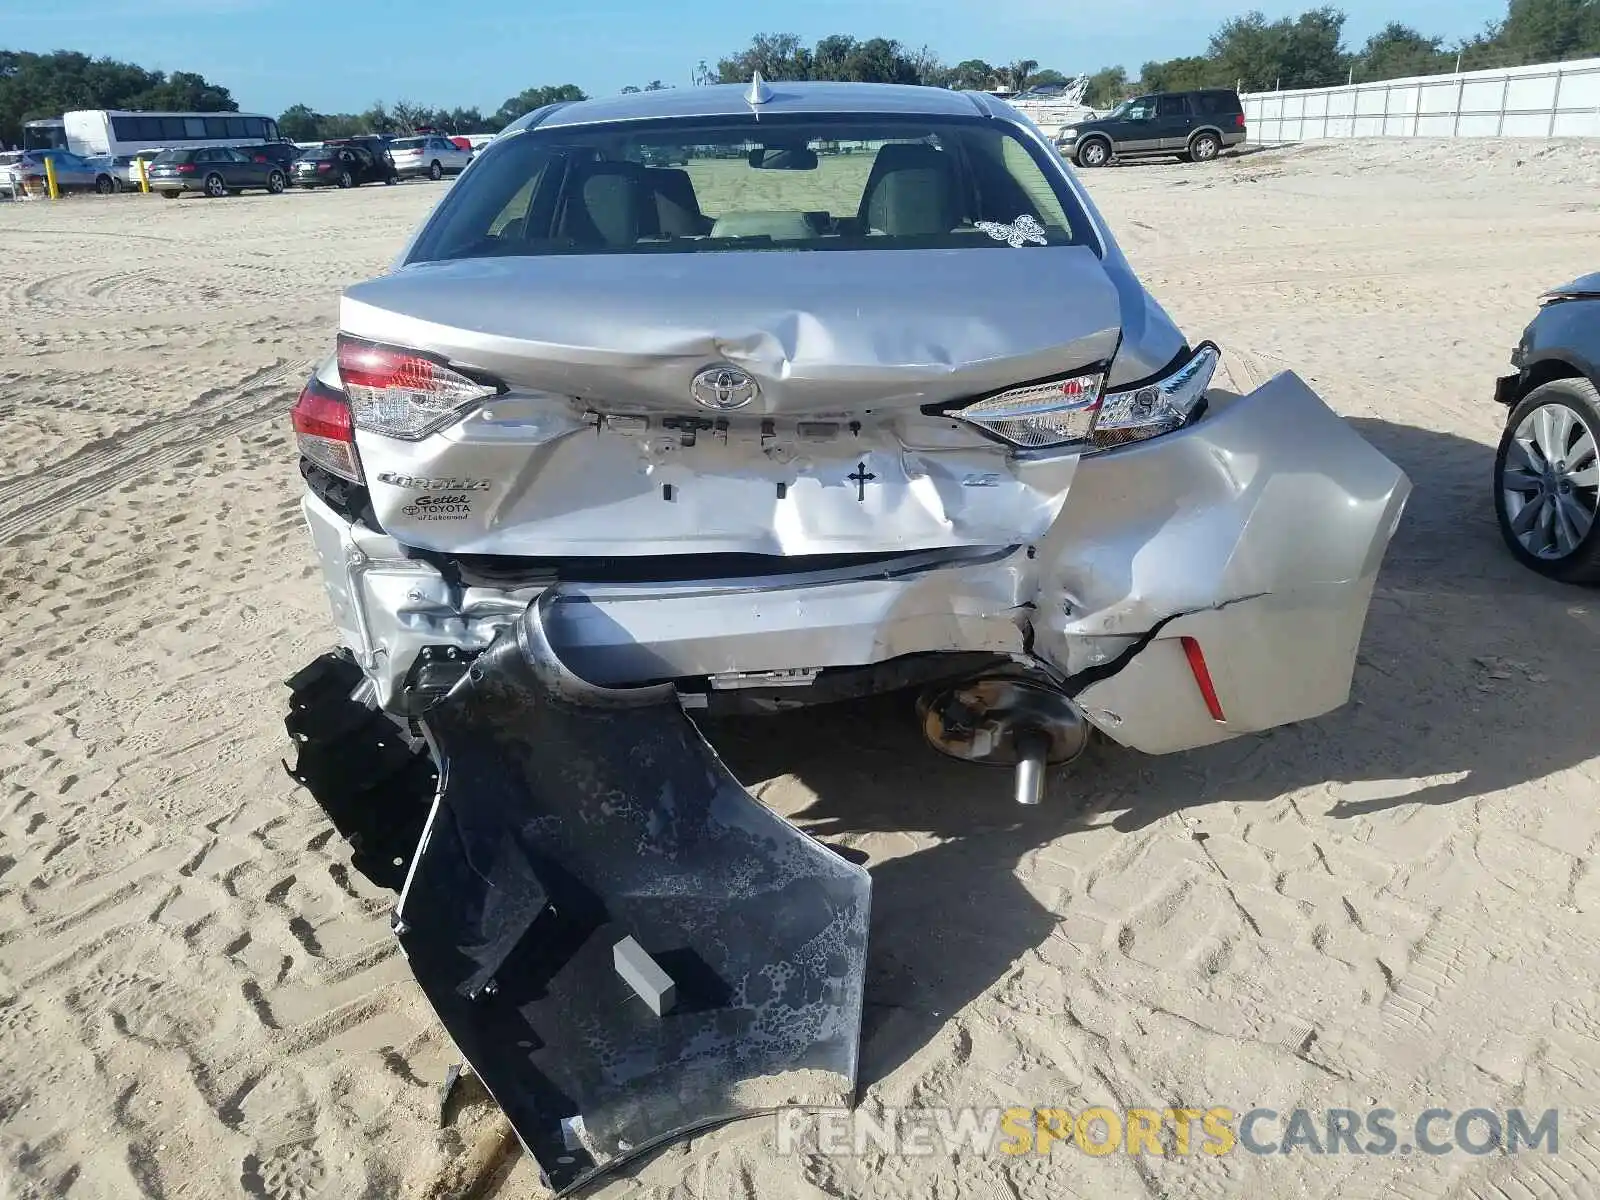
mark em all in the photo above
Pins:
pixel 281 154
pixel 1195 125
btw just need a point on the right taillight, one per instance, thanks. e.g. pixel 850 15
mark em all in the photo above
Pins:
pixel 325 432
pixel 402 393
pixel 1159 405
pixel 1239 120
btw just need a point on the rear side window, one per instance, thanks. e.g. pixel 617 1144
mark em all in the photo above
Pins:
pixel 1218 103
pixel 1172 106
pixel 786 183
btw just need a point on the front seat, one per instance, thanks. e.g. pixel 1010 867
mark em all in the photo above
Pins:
pixel 677 207
pixel 911 192
pixel 607 205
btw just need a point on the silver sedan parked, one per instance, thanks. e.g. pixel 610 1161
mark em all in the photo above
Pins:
pixel 670 407
pixel 429 156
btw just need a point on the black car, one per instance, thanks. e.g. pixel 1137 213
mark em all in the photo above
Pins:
pixel 1546 471
pixel 282 154
pixel 215 171
pixel 347 163
pixel 1195 125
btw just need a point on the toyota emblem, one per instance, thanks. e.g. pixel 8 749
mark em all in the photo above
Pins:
pixel 723 388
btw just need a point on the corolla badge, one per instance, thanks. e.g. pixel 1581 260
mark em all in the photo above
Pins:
pixel 723 388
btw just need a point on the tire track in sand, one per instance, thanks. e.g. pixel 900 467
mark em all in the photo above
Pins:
pixel 160 442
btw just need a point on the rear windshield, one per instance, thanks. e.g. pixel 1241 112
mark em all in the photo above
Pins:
pixel 785 183
pixel 407 144
pixel 174 156
pixel 321 152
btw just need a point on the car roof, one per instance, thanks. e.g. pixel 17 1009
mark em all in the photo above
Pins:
pixel 784 96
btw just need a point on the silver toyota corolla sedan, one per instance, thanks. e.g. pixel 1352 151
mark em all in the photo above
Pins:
pixel 746 397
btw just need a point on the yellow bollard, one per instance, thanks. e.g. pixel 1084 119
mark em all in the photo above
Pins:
pixel 144 176
pixel 50 177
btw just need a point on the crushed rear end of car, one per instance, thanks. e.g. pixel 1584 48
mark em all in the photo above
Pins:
pixel 581 472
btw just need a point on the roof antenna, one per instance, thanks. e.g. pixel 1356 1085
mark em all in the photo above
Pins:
pixel 759 92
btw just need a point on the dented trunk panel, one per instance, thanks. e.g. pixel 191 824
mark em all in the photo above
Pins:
pixel 822 332
pixel 599 448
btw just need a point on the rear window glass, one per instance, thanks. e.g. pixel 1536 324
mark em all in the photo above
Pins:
pixel 787 183
pixel 175 156
pixel 407 143
pixel 1218 102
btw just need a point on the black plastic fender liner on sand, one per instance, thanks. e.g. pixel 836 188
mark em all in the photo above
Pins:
pixel 589 862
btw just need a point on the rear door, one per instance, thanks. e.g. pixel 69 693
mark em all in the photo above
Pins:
pixel 1174 119
pixel 241 170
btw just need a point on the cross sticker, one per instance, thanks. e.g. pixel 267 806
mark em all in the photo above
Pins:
pixel 859 477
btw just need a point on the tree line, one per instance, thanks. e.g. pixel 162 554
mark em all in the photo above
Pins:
pixel 47 85
pixel 1248 51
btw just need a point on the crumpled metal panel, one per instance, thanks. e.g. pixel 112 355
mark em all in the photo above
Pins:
pixel 822 333
pixel 587 453
pixel 570 818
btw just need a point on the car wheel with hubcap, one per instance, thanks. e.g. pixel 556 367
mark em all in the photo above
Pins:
pixel 275 182
pixel 435 171
pixel 346 179
pixel 215 186
pixel 1204 147
pixel 1094 153
pixel 1547 481
pixel 104 184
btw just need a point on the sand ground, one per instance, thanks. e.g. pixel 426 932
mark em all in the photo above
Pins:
pixel 1393 906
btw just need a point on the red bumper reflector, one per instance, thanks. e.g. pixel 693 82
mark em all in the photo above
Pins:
pixel 1202 677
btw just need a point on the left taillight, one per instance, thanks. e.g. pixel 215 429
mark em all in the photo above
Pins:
pixel 404 393
pixel 325 430
pixel 1039 416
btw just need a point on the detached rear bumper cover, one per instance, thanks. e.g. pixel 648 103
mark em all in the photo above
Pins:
pixel 572 818
pixel 1257 531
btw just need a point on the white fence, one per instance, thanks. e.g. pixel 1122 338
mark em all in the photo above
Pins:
pixel 1549 100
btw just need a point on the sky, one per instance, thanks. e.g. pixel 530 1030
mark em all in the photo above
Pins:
pixel 343 55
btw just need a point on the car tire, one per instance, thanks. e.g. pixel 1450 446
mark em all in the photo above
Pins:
pixel 1545 481
pixel 216 187
pixel 435 171
pixel 104 184
pixel 346 179
pixel 172 195
pixel 390 180
pixel 276 183
pixel 1204 147
pixel 1093 152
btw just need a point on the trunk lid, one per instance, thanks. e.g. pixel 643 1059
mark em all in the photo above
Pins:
pixel 598 447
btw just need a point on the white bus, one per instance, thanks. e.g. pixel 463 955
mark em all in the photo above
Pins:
pixel 100 131
pixel 48 134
